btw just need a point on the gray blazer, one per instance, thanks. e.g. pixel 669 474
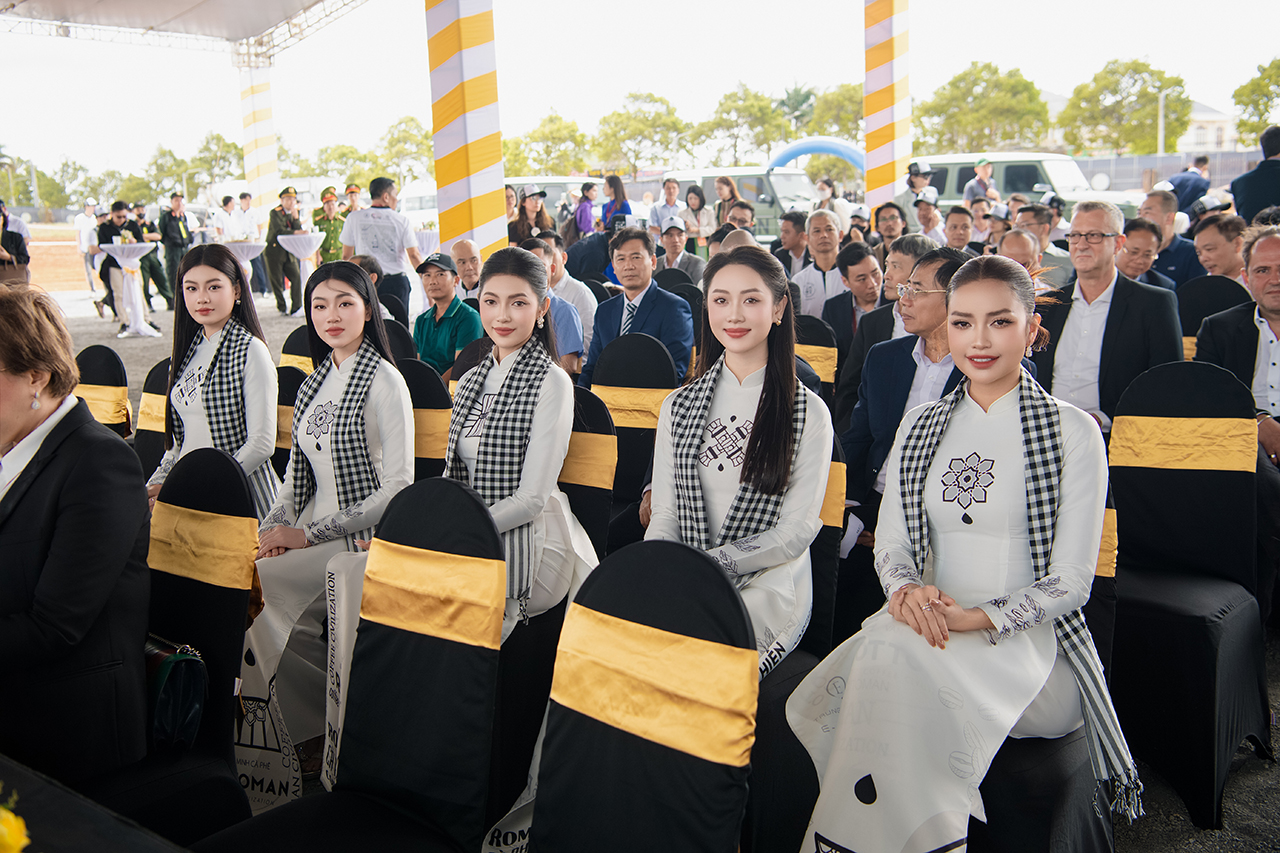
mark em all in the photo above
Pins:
pixel 691 265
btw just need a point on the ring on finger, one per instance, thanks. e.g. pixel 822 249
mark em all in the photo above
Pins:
pixel 928 607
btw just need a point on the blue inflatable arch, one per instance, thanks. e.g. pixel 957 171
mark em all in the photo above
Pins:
pixel 821 145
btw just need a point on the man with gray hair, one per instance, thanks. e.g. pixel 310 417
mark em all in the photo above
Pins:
pixel 466 257
pixel 821 280
pixel 1177 258
pixel 1103 311
pixel 1023 247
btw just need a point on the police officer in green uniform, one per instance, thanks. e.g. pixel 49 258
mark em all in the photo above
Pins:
pixel 284 219
pixel 175 236
pixel 152 269
pixel 326 218
pixel 353 200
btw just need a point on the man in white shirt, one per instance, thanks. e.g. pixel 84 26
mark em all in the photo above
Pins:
pixel 246 224
pixel 669 206
pixel 821 280
pixel 979 207
pixel 386 235
pixel 928 217
pixel 570 289
pixel 223 223
pixel 86 225
pixel 466 257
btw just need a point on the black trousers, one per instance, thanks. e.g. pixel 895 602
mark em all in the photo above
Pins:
pixel 397 285
pixel 259 283
pixel 153 270
pixel 1268 485
pixel 858 590
pixel 279 265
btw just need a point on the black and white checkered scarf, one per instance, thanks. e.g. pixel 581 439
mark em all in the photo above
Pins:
pixel 1042 446
pixel 500 457
pixel 223 398
pixel 752 512
pixel 353 468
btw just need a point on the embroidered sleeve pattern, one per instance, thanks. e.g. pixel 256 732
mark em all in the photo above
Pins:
pixel 276 518
pixel 895 574
pixel 333 526
pixel 166 465
pixel 1012 615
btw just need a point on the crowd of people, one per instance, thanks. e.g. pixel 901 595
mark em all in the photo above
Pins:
pixel 977 384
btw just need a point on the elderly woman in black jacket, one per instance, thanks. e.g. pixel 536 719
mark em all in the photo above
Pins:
pixel 74 585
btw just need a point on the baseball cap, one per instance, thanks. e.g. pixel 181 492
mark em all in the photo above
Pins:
pixel 530 190
pixel 919 167
pixel 328 193
pixel 91 202
pixel 1054 200
pixel 351 188
pixel 672 222
pixel 860 210
pixel 436 259
pixel 999 211
pixel 288 191
pixel 982 161
pixel 928 195
pixel 1208 204
pixel 1163 185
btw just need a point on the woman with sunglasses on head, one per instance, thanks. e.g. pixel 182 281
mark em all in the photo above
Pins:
pixel 742 453
pixel 222 385
pixel 986 546
pixel 352 451
pixel 531 217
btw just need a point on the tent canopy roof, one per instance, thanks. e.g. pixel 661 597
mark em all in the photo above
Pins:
pixel 232 20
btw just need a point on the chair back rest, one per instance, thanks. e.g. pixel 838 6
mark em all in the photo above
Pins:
pixel 652 713
pixel 296 351
pixel 633 375
pixel 148 439
pixel 1205 295
pixel 399 312
pixel 423 681
pixel 587 475
pixel 816 344
pixel 1183 456
pixel 597 288
pixel 431 408
pixel 668 278
pixel 401 341
pixel 824 558
pixel 692 294
pixel 204 537
pixel 288 380
pixel 471 355
pixel 104 386
pixel 473 302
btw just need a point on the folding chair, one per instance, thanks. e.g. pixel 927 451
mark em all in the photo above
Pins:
pixel 1188 634
pixel 597 289
pixel 393 304
pixel 471 355
pixel 413 769
pixel 290 379
pixel 668 278
pixel 296 351
pixel 816 344
pixel 104 386
pixel 431 408
pixel 401 341
pixel 204 536
pixel 1200 297
pixel 587 475
pixel 148 440
pixel 652 714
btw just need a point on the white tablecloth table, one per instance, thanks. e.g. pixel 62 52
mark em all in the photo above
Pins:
pixel 303 247
pixel 428 242
pixel 245 251
pixel 130 304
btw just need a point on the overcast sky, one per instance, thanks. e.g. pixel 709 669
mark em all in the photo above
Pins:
pixel 109 106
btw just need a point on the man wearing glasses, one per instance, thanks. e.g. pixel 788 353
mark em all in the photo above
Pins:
pixel 1106 328
pixel 891 221
pixel 1141 247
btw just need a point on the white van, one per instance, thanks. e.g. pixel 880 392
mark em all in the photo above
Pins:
pixel 418 203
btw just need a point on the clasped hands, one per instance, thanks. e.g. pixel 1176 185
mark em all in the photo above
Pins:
pixel 933 614
pixel 277 540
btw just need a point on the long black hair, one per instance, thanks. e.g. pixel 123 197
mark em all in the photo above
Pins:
pixel 694 189
pixel 354 276
pixel 185 327
pixel 767 464
pixel 524 264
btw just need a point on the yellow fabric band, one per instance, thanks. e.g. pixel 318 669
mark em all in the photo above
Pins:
pixel 302 362
pixel 822 359
pixel 453 387
pixel 691 695
pixel 430 433
pixel 284 427
pixel 109 404
pixel 832 513
pixel 204 546
pixel 151 413
pixel 1190 444
pixel 1189 348
pixel 632 407
pixel 591 461
pixel 1107 550
pixel 434 593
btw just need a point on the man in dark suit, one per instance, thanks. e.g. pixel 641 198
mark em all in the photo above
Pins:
pixel 1141 246
pixel 1232 339
pixel 1177 258
pixel 1105 328
pixel 1191 185
pixel 861 275
pixel 793 243
pixel 1260 187
pixel 641 307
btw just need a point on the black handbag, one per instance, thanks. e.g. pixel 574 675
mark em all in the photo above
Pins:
pixel 177 685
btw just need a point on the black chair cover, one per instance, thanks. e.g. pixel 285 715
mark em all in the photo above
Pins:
pixel 473 302
pixel 431 407
pixel 693 295
pixel 100 366
pixel 401 341
pixel 471 355
pixel 289 380
pixel 824 557
pixel 597 289
pixel 598 781
pixel 298 346
pixel 816 344
pixel 667 279
pixel 633 361
pixel 148 439
pixel 586 482
pixel 1208 294
pixel 1188 633
pixel 413 770
pixel 399 312
pixel 185 795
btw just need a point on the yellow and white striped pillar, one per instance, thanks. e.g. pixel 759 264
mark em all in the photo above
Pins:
pixel 465 130
pixel 261 168
pixel 886 98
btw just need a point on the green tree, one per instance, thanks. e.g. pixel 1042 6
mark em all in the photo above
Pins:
pixel 8 163
pixel 515 156
pixel 556 146
pixel 217 159
pixel 406 151
pixel 345 160
pixel 1256 101
pixel 796 105
pixel 1117 110
pixel 71 175
pixel 981 109
pixel 53 194
pixel 838 113
pixel 836 168
pixel 167 172
pixel 134 188
pixel 743 122
pixel 645 132
pixel 292 164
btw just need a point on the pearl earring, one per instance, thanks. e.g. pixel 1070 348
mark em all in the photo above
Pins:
pixel 540 322
pixel 35 402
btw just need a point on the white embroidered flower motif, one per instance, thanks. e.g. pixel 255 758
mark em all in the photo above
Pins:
pixel 967 479
pixel 322 417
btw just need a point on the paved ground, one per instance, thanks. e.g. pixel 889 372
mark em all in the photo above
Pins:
pixel 1252 801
